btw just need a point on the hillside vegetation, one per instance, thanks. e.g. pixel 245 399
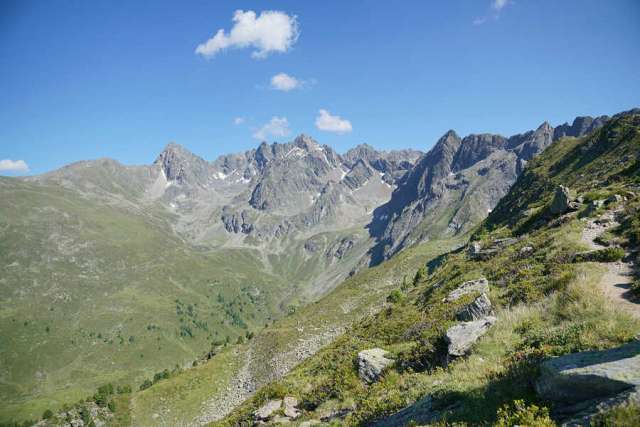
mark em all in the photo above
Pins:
pixel 546 304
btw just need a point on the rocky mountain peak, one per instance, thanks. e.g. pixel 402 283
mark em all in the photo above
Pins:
pixel 181 165
pixel 307 143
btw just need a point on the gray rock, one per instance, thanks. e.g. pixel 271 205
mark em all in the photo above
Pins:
pixel 474 249
pixel 371 363
pixel 526 251
pixel 561 202
pixel 479 308
pixel 461 337
pixel 588 375
pixel 290 407
pixel 479 285
pixel 266 411
pixel 310 423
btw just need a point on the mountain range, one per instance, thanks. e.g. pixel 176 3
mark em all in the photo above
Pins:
pixel 126 270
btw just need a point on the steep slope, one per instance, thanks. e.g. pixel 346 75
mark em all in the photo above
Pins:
pixel 455 185
pixel 546 301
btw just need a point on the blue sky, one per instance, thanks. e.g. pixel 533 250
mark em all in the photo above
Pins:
pixel 83 80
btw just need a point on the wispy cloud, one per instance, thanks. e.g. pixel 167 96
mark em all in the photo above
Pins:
pixel 327 122
pixel 238 121
pixel 494 11
pixel 499 4
pixel 277 126
pixel 271 31
pixel 15 166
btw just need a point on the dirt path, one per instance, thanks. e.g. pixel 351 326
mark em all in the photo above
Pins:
pixel 616 281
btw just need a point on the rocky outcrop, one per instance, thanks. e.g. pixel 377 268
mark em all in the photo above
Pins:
pixel 461 337
pixel 479 285
pixel 562 201
pixel 479 308
pixel 581 384
pixel 371 364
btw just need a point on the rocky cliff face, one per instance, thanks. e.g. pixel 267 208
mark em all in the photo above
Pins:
pixel 455 184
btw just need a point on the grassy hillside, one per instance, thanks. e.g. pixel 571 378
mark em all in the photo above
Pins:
pixel 188 396
pixel 113 295
pixel 546 304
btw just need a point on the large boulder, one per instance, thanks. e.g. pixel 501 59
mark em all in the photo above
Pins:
pixel 479 285
pixel 562 201
pixel 461 337
pixel 479 308
pixel 371 364
pixel 592 374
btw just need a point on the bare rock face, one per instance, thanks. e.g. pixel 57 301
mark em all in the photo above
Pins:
pixel 479 285
pixel 467 176
pixel 461 337
pixel 479 308
pixel 371 363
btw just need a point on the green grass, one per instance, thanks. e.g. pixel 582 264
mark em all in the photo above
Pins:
pixel 100 287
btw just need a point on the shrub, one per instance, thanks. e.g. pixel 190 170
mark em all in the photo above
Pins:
pixel 395 296
pixel 620 416
pixel 47 414
pixel 146 384
pixel 601 255
pixel 635 288
pixel 518 413
pixel 106 389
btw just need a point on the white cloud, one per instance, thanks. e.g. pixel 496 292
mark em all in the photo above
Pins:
pixel 325 121
pixel 277 126
pixel 238 121
pixel 271 31
pixel 494 11
pixel 499 4
pixel 18 166
pixel 285 82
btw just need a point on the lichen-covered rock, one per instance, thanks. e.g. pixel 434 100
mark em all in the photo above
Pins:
pixel 267 410
pixel 371 363
pixel 291 407
pixel 591 374
pixel 479 285
pixel 479 308
pixel 461 337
